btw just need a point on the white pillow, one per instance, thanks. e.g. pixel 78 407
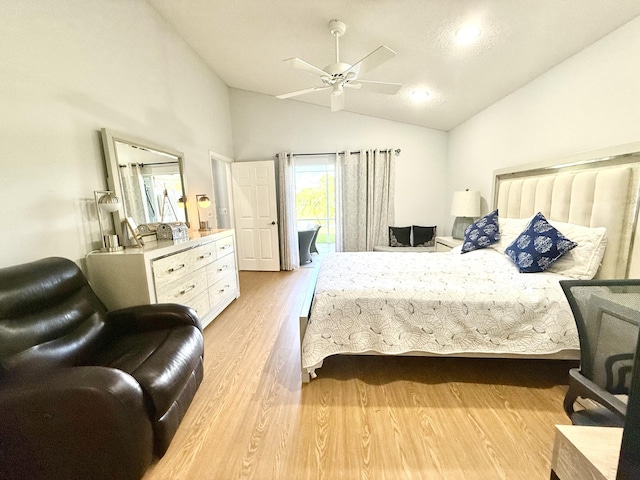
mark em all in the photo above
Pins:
pixel 510 229
pixel 583 261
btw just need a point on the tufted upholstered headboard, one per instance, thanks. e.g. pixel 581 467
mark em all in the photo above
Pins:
pixel 594 190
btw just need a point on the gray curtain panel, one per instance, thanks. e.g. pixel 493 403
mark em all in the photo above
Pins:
pixel 287 228
pixel 364 199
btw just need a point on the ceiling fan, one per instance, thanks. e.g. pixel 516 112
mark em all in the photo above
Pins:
pixel 338 76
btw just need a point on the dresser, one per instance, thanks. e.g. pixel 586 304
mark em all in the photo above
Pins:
pixel 200 272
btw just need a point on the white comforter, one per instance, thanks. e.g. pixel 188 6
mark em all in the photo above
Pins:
pixel 440 303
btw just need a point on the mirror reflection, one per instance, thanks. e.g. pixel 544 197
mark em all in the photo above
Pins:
pixel 151 184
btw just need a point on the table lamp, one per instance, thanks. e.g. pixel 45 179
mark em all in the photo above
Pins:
pixel 465 206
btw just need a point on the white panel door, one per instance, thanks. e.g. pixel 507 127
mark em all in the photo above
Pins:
pixel 254 196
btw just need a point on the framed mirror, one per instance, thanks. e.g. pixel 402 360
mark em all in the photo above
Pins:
pixel 148 178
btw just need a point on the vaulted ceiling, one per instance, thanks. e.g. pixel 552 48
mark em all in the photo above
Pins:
pixel 246 41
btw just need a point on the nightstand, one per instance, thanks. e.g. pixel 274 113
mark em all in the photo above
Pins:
pixel 444 244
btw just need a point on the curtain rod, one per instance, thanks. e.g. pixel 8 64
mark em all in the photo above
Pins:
pixel 396 151
pixel 152 163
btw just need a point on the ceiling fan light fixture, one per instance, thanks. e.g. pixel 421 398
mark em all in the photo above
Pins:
pixel 467 34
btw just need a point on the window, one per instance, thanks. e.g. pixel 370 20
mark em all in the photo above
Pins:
pixel 315 198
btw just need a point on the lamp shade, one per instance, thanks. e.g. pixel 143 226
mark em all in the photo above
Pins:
pixel 203 200
pixel 466 204
pixel 109 202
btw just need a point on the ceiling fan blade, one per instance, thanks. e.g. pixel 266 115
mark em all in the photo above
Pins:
pixel 375 87
pixel 371 61
pixel 337 101
pixel 300 92
pixel 305 66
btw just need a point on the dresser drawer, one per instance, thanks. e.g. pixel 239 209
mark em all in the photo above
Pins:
pixel 224 246
pixel 205 254
pixel 183 289
pixel 200 303
pixel 221 268
pixel 223 288
pixel 169 269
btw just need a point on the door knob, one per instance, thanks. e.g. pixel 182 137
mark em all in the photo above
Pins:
pixel 273 223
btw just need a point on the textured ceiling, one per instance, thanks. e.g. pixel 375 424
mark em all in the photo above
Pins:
pixel 245 42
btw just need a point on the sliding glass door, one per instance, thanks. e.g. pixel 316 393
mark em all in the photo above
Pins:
pixel 316 199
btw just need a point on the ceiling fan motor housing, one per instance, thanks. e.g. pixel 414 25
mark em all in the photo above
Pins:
pixel 337 68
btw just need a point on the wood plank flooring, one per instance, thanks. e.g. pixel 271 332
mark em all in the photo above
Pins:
pixel 363 417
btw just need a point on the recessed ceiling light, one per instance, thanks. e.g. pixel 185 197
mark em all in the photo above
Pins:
pixel 420 95
pixel 467 34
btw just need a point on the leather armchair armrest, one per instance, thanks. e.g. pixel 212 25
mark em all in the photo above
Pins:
pixel 152 317
pixel 82 422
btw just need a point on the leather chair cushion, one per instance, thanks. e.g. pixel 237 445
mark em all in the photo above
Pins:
pixel 161 361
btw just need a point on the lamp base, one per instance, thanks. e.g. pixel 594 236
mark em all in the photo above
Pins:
pixel 460 224
pixel 111 244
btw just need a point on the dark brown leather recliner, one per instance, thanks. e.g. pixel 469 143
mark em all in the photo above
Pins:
pixel 86 393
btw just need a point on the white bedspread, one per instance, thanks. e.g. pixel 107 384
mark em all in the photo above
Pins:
pixel 440 303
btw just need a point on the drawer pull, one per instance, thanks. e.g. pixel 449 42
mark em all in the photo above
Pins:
pixel 224 288
pixel 224 247
pixel 173 269
pixel 205 255
pixel 189 288
pixel 222 268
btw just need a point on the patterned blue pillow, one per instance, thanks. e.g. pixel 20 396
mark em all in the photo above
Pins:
pixel 538 246
pixel 481 233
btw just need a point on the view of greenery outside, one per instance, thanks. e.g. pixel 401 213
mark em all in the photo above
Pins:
pixel 315 200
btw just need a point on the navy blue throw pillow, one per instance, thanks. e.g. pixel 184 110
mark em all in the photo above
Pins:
pixel 481 233
pixel 539 246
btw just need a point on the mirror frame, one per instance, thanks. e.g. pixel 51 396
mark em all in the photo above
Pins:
pixel 109 139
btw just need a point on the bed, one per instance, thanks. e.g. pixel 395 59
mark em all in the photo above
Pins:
pixel 478 304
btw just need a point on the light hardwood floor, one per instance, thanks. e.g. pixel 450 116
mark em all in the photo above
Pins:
pixel 363 417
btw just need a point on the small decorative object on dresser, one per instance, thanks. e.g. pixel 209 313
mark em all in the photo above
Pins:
pixel 172 231
pixel 445 244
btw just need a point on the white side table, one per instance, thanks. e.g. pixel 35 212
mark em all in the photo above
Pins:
pixel 581 453
pixel 444 244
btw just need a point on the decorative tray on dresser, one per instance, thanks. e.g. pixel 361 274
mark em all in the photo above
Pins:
pixel 200 272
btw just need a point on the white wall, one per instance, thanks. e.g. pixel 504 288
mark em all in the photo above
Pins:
pixel 589 102
pixel 68 69
pixel 264 125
